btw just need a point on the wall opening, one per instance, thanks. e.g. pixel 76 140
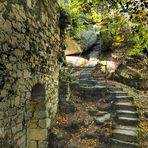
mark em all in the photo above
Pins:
pixel 38 116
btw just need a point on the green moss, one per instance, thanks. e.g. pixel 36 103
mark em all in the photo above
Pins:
pixel 67 107
pixel 75 125
pixel 107 39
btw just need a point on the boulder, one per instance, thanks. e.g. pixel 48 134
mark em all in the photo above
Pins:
pixel 72 47
pixel 87 39
pixel 103 106
pixel 102 119
pixel 86 123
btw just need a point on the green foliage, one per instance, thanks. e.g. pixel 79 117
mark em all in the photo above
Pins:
pixel 75 125
pixel 67 106
pixel 65 75
pixel 107 39
pixel 125 22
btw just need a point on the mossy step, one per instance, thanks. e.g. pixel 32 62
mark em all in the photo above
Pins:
pixel 115 88
pixel 100 78
pixel 99 75
pixel 127 113
pixel 128 121
pixel 114 143
pixel 124 135
pixel 119 93
pixel 125 106
pixel 123 98
pixel 124 127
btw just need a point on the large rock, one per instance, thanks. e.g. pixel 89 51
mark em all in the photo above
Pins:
pixel 102 119
pixel 88 39
pixel 72 47
pixel 130 73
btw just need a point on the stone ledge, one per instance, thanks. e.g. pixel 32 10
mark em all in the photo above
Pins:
pixel 38 134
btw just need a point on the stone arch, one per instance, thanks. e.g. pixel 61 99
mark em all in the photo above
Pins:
pixel 38 117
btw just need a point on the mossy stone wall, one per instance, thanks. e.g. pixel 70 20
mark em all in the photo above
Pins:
pixel 29 52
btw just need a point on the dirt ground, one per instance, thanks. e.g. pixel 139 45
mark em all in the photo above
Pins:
pixel 89 134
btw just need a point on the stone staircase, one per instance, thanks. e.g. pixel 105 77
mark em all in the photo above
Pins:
pixel 125 121
pixel 89 87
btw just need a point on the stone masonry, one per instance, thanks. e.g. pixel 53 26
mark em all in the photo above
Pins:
pixel 29 69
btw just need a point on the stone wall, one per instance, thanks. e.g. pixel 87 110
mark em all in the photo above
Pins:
pixel 29 71
pixel 64 90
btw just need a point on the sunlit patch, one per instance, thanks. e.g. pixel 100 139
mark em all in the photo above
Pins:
pixel 111 65
pixel 93 62
pixel 76 61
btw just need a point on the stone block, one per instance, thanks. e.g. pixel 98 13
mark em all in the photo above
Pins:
pixel 33 144
pixel 26 74
pixel 22 14
pixel 21 140
pixel 40 114
pixel 12 111
pixel 38 134
pixel 7 26
pixel 1 132
pixel 18 53
pixel 3 93
pixel 19 127
pixel 43 144
pixel 14 130
pixel 9 66
pixel 19 73
pixel 20 117
pixel 33 125
pixel 44 123
pixel 1 7
pixel 17 101
pixel 1 115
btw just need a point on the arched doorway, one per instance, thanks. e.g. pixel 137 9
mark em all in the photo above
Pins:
pixel 38 116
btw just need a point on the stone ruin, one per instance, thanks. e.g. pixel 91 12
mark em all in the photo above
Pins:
pixel 30 50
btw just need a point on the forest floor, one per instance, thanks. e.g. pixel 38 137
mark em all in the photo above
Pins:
pixel 84 133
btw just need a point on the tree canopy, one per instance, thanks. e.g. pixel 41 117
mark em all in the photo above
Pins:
pixel 123 21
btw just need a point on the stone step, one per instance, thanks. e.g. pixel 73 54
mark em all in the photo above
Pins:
pixel 115 88
pixel 118 126
pixel 124 135
pixel 102 82
pixel 114 143
pixel 125 106
pixel 87 82
pixel 83 76
pixel 119 93
pixel 127 121
pixel 123 98
pixel 127 113
pixel 99 75
pixel 100 78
